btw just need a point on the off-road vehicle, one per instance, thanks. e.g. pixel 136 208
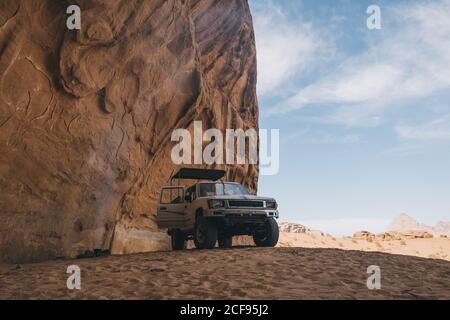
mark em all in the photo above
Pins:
pixel 212 210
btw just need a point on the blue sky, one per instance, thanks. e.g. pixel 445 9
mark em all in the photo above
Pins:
pixel 364 115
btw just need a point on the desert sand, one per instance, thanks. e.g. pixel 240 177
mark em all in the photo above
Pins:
pixel 238 273
pixel 434 248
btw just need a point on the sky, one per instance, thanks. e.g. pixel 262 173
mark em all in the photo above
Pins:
pixel 364 115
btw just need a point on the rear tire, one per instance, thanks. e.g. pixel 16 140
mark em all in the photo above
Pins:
pixel 205 233
pixel 179 241
pixel 268 237
pixel 225 242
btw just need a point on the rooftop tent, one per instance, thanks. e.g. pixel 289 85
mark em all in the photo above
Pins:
pixel 199 174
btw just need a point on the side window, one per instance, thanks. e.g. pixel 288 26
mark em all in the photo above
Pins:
pixel 207 189
pixel 191 191
pixel 172 196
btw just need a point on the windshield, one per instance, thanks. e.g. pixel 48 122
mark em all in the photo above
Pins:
pixel 222 189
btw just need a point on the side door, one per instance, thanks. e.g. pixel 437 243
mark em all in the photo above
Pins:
pixel 172 211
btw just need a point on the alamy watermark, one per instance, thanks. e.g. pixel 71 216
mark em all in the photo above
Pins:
pixel 236 146
pixel 374 20
pixel 73 22
pixel 374 280
pixel 74 280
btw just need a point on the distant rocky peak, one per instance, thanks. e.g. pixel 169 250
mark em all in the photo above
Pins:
pixel 405 223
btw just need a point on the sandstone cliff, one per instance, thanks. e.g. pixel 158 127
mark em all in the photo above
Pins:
pixel 86 116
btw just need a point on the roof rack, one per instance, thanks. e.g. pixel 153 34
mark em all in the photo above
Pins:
pixel 198 174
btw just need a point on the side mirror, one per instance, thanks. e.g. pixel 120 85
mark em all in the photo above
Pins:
pixel 188 198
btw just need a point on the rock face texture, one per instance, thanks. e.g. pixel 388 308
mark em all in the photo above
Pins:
pixel 86 116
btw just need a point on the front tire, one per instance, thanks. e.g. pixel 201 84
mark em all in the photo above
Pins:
pixel 205 233
pixel 268 236
pixel 179 241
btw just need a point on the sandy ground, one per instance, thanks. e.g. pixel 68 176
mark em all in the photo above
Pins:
pixel 238 273
pixel 434 248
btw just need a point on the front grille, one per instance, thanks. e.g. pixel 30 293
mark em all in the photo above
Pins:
pixel 245 215
pixel 245 204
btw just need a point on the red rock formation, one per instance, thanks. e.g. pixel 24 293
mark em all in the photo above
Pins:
pixel 86 117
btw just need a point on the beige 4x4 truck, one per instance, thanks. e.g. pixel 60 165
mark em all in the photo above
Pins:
pixel 212 210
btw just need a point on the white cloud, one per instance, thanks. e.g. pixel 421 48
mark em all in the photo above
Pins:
pixel 285 48
pixel 438 129
pixel 309 137
pixel 410 61
pixel 406 150
pixel 350 85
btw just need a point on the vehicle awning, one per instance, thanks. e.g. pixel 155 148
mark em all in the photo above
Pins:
pixel 199 174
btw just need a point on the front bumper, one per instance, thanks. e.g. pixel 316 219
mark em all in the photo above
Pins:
pixel 244 213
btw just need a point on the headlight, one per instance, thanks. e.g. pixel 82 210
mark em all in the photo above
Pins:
pixel 271 204
pixel 214 204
